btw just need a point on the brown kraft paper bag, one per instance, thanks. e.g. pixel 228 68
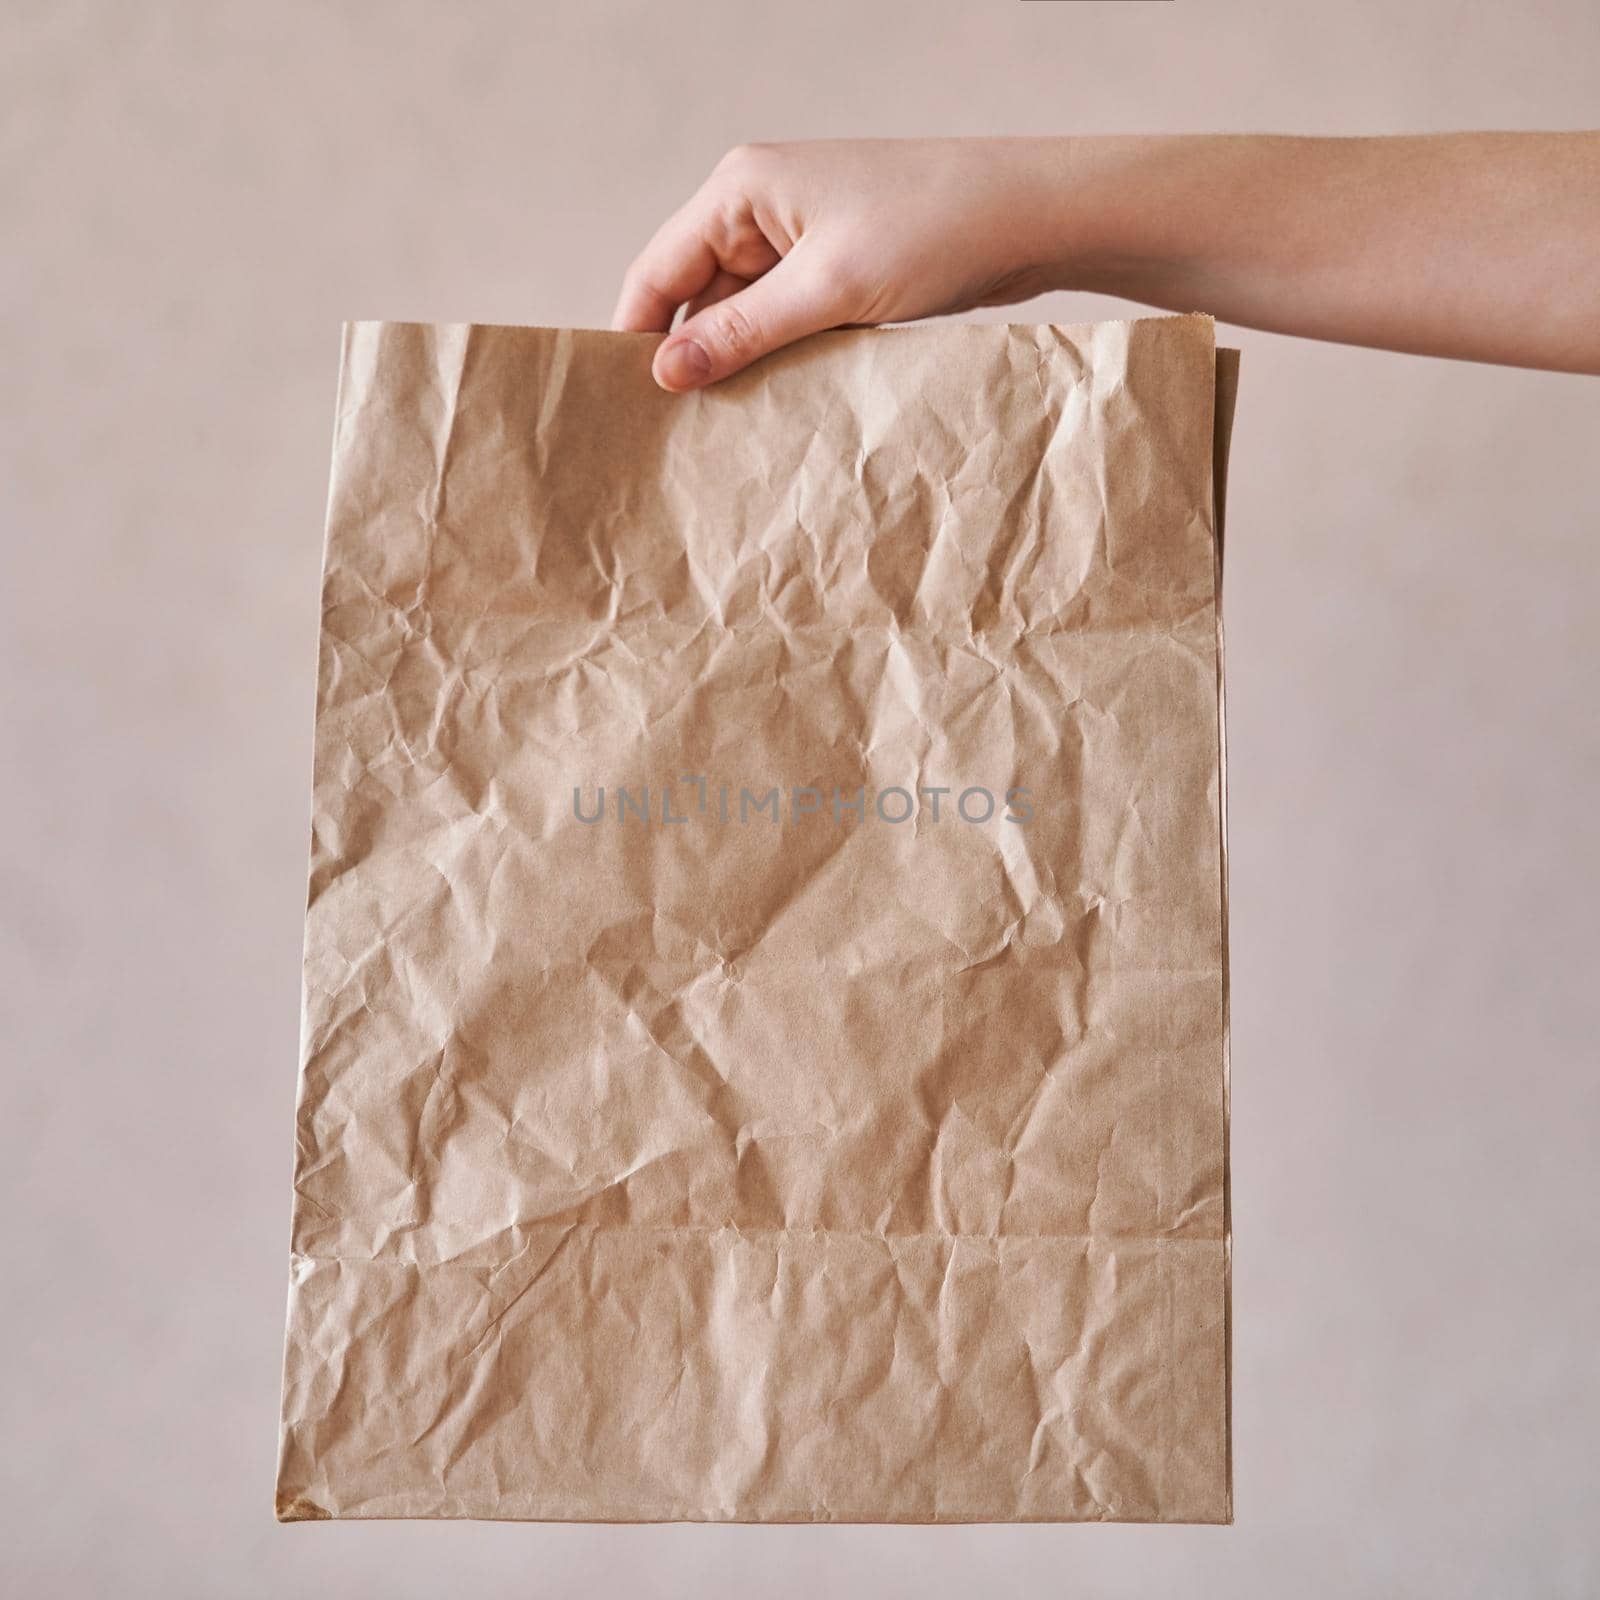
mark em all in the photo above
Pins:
pixel 764 1040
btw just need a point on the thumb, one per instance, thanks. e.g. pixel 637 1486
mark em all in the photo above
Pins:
pixel 793 299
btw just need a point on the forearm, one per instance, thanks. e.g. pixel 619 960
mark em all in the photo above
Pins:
pixel 1484 246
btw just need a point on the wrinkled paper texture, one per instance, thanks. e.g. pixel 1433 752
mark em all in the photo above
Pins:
pixel 659 1162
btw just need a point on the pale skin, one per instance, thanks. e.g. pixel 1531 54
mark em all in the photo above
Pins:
pixel 1481 246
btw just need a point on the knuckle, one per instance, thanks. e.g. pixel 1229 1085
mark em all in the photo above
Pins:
pixel 744 160
pixel 638 274
pixel 646 272
pixel 737 333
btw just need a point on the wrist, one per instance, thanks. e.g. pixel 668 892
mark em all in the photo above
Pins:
pixel 1111 214
pixel 1104 219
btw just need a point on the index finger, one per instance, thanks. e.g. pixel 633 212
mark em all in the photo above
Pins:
pixel 676 265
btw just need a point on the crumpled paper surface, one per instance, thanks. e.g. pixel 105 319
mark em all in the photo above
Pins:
pixel 814 1166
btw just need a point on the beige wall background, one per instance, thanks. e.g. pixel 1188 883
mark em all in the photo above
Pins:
pixel 193 196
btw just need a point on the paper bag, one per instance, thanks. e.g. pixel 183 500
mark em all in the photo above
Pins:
pixel 764 1041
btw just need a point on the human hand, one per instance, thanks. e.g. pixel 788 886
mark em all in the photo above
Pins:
pixel 788 239
pixel 1474 245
